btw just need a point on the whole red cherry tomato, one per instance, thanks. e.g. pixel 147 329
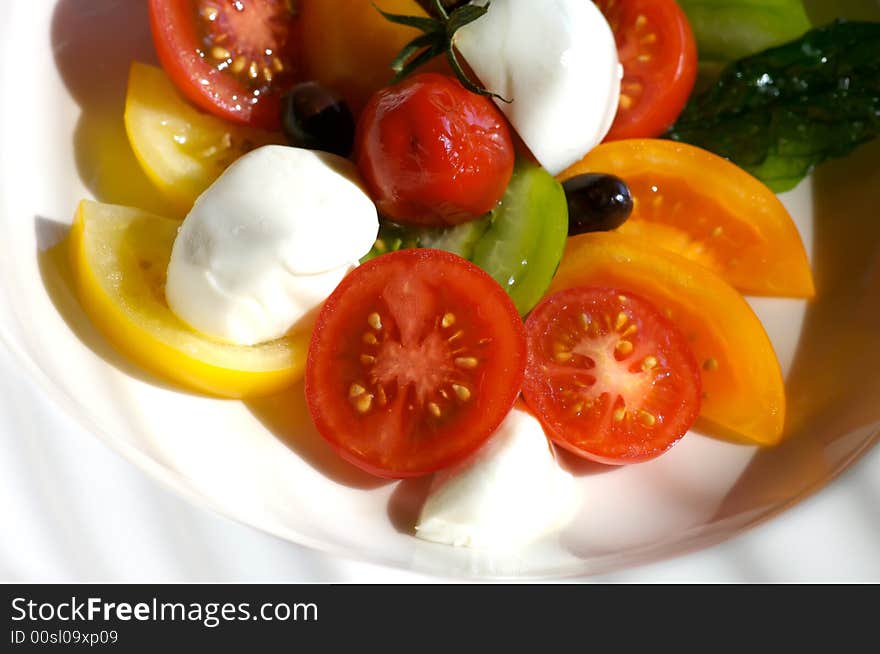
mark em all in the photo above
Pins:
pixel 433 153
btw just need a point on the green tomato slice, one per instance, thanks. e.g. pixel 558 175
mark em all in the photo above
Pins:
pixel 459 240
pixel 520 243
pixel 524 243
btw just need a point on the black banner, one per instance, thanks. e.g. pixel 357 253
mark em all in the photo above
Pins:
pixel 171 617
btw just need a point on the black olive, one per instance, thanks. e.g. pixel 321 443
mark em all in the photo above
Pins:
pixel 314 118
pixel 596 203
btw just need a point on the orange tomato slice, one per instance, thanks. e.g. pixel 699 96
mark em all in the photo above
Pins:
pixel 348 46
pixel 743 389
pixel 709 210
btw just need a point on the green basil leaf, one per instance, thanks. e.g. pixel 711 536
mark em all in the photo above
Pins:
pixel 781 112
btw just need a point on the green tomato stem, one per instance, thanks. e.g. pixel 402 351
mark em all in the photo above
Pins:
pixel 431 8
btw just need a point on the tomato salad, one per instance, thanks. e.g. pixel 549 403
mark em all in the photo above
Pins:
pixel 461 224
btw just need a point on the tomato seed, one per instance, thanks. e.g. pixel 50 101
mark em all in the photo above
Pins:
pixel 209 13
pixel 648 419
pixel 624 348
pixel 364 403
pixel 356 390
pixel 238 65
pixel 462 392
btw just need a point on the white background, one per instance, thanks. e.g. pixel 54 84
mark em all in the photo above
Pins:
pixel 72 510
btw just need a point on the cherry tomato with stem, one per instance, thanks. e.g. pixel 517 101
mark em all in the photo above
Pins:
pixel 433 153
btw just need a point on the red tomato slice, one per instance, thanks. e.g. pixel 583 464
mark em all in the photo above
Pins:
pixel 659 55
pixel 609 377
pixel 232 58
pixel 415 360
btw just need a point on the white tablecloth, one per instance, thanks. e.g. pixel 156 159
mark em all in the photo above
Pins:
pixel 73 511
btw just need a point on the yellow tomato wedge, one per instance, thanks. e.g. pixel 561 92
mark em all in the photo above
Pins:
pixel 709 210
pixel 119 256
pixel 181 149
pixel 742 382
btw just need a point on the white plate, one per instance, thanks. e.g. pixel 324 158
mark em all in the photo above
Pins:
pixel 264 465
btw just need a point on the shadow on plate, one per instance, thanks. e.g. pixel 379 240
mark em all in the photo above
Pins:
pixel 285 415
pixel 406 503
pixel 833 388
pixel 94 43
pixel 579 467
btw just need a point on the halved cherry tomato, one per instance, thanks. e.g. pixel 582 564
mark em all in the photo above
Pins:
pixel 233 58
pixel 709 210
pixel 743 389
pixel 433 153
pixel 609 377
pixel 415 360
pixel 659 55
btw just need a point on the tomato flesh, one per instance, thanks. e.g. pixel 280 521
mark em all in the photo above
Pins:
pixel 728 222
pixel 609 377
pixel 433 153
pixel 232 58
pixel 415 360
pixel 658 51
